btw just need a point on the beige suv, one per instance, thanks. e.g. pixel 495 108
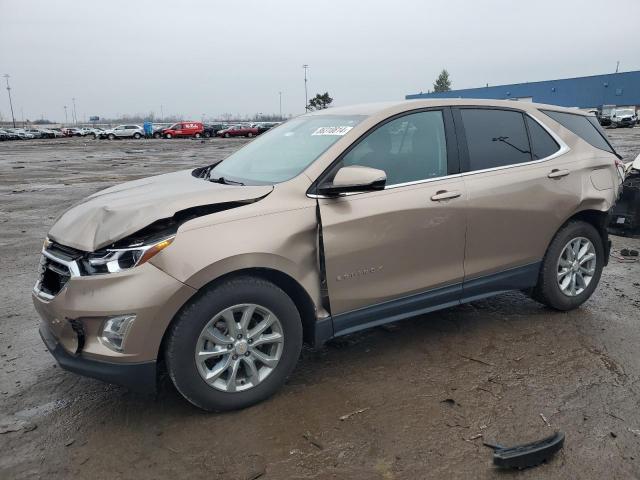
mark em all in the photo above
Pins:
pixel 333 222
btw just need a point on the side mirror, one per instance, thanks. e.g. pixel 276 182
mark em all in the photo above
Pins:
pixel 355 178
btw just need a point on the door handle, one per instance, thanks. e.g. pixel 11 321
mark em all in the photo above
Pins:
pixel 555 173
pixel 444 195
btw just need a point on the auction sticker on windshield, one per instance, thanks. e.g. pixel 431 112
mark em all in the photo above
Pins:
pixel 332 130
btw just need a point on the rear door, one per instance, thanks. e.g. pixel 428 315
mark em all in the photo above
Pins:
pixel 405 240
pixel 520 190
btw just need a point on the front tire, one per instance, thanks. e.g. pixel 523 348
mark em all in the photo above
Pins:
pixel 137 136
pixel 226 135
pixel 571 268
pixel 234 345
pixel 111 136
pixel 168 136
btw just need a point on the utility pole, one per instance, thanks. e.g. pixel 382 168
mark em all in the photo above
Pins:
pixel 306 96
pixel 13 118
pixel 617 65
pixel 75 116
pixel 66 120
pixel 280 94
pixel 161 113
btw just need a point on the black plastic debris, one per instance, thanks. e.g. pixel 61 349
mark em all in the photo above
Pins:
pixel 527 455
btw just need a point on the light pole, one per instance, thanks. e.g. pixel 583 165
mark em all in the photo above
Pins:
pixel 75 116
pixel 66 120
pixel 280 95
pixel 306 96
pixel 13 119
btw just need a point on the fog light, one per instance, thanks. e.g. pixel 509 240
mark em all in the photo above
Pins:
pixel 114 331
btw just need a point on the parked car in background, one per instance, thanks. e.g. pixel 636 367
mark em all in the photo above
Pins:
pixel 212 129
pixel 23 134
pixel 604 114
pixel 238 131
pixel 123 131
pixel 9 135
pixel 264 126
pixel 35 132
pixel 337 221
pixel 4 136
pixel 57 132
pixel 623 117
pixel 183 130
pixel 47 133
pixel 97 132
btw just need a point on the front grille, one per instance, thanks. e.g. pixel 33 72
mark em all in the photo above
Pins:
pixel 53 276
pixel 57 266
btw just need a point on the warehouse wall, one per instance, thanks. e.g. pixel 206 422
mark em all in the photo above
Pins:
pixel 583 92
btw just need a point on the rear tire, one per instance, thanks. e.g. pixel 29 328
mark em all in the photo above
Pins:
pixel 111 136
pixel 137 136
pixel 197 135
pixel 226 135
pixel 157 135
pixel 249 134
pixel 552 273
pixel 207 134
pixel 185 337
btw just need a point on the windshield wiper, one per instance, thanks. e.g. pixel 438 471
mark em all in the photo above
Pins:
pixel 225 181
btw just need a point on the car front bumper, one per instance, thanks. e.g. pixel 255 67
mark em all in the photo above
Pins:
pixel 73 319
pixel 139 377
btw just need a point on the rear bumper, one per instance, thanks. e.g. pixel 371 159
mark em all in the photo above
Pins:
pixel 139 377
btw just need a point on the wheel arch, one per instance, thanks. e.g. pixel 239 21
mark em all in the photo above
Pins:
pixel 599 219
pixel 300 297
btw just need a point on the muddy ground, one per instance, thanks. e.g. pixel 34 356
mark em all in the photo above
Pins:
pixel 423 394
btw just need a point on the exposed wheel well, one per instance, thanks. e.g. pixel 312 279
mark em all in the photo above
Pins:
pixel 291 287
pixel 600 221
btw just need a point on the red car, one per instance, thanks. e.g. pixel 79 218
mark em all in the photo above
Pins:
pixel 182 129
pixel 238 131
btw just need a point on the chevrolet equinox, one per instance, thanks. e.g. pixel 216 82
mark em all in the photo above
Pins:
pixel 333 222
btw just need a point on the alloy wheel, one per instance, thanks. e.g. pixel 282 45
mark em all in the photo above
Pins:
pixel 576 266
pixel 239 347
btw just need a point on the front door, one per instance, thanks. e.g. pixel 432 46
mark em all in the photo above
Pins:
pixel 406 240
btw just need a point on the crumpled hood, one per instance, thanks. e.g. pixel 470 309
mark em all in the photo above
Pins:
pixel 119 211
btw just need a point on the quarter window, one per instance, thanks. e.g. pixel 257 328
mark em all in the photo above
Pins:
pixel 542 144
pixel 583 126
pixel 409 148
pixel 495 138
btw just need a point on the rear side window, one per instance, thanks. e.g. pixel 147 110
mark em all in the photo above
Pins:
pixel 495 138
pixel 583 127
pixel 542 144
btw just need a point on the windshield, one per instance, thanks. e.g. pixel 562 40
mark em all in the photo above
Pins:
pixel 285 151
pixel 624 112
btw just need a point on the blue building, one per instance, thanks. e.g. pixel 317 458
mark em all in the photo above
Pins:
pixel 582 92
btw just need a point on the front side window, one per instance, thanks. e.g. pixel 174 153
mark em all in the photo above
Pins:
pixel 408 149
pixel 495 138
pixel 587 128
pixel 282 153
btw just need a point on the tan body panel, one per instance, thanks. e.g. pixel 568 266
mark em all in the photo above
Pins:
pixel 278 233
pixel 152 295
pixel 384 245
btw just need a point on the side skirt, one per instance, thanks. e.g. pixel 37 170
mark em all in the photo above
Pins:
pixel 517 278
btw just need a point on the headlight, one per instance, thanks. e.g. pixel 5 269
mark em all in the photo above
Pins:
pixel 113 260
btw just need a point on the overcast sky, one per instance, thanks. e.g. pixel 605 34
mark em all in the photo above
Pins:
pixel 210 57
